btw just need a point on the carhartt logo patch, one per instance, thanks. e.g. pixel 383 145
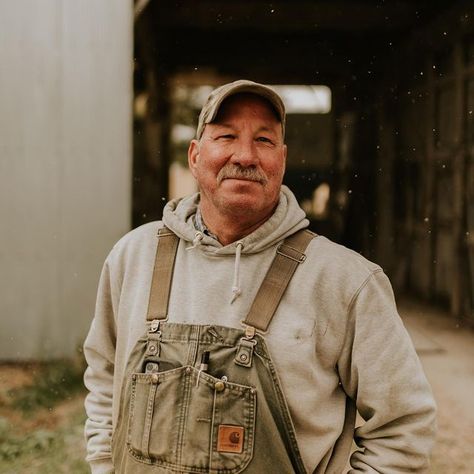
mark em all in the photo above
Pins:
pixel 230 439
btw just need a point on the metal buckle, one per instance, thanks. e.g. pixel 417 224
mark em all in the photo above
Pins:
pixel 164 234
pixel 299 259
pixel 244 353
pixel 249 332
pixel 154 325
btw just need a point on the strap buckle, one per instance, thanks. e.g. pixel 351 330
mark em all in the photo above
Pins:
pixel 244 353
pixel 249 332
pixel 154 325
pixel 291 253
pixel 165 234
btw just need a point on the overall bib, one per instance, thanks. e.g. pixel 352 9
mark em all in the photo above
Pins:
pixel 225 415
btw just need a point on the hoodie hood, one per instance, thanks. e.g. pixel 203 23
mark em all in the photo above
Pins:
pixel 288 218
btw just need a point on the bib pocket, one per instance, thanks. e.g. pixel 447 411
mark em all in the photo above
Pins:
pixel 192 422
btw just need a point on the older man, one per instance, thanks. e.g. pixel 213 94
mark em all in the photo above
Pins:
pixel 227 338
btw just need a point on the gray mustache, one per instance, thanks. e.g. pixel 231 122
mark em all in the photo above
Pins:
pixel 231 171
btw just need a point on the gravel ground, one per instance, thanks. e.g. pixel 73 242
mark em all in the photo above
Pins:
pixel 446 350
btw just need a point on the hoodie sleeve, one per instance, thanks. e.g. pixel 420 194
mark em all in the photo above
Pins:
pixel 99 351
pixel 380 370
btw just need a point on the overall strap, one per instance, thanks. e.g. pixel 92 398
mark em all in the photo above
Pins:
pixel 162 275
pixel 289 255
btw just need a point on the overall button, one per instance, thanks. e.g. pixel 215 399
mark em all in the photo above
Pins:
pixel 219 386
pixel 154 378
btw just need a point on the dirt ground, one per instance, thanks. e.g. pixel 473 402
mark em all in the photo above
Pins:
pixel 446 350
pixel 45 441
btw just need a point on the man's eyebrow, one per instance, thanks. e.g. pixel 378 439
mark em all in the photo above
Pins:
pixel 220 124
pixel 263 128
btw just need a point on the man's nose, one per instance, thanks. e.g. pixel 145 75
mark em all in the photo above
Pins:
pixel 245 153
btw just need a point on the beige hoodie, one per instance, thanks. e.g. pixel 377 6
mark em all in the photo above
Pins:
pixel 336 332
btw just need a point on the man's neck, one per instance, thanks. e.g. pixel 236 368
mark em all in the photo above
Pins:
pixel 229 228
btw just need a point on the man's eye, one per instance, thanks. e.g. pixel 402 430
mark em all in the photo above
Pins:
pixel 264 140
pixel 228 136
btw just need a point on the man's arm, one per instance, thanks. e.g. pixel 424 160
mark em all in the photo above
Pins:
pixel 379 368
pixel 99 350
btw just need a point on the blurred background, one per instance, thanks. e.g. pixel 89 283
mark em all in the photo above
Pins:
pixel 98 102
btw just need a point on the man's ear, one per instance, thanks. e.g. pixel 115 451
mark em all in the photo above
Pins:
pixel 193 156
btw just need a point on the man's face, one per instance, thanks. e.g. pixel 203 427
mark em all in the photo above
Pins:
pixel 240 160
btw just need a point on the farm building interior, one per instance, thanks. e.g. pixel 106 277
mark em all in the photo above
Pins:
pixel 384 166
pixel 99 105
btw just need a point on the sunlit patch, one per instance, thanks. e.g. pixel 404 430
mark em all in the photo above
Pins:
pixel 305 99
pixel 318 206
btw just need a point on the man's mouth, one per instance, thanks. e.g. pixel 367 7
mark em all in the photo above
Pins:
pixel 242 178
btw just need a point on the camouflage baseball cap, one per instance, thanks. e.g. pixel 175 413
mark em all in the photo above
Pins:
pixel 217 96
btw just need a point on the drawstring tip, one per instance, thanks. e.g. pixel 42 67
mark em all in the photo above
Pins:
pixel 196 241
pixel 236 292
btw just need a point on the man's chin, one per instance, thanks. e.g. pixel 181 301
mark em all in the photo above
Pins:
pixel 242 203
pixel 241 190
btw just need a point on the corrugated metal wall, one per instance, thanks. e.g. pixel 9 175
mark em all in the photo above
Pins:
pixel 65 165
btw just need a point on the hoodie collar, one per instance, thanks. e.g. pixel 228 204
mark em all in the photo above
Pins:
pixel 179 216
pixel 200 225
pixel 184 218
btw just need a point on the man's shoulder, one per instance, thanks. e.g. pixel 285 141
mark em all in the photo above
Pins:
pixel 337 275
pixel 138 240
pixel 339 261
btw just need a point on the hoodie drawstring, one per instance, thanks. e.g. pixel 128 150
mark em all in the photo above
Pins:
pixel 196 241
pixel 236 290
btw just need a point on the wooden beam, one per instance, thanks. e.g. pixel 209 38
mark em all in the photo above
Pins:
pixel 297 58
pixel 430 201
pixel 459 252
pixel 264 16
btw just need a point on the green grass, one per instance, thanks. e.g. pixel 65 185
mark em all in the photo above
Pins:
pixel 54 382
pixel 27 447
pixel 43 451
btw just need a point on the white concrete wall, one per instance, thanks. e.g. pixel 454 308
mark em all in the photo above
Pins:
pixel 65 165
